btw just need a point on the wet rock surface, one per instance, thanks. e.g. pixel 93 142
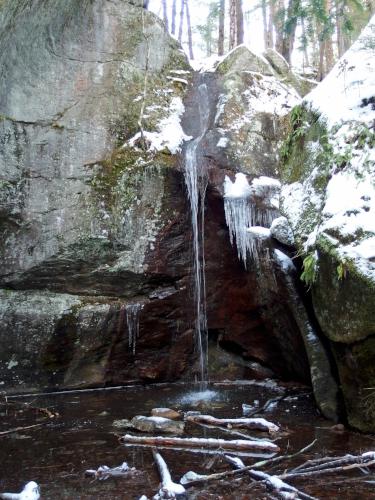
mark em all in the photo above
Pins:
pixel 95 214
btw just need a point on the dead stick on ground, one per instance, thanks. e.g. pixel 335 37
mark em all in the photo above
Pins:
pixel 238 444
pixel 274 484
pixel 228 431
pixel 262 463
pixel 333 470
pixel 17 429
pixel 249 423
pixel 168 489
pixel 272 461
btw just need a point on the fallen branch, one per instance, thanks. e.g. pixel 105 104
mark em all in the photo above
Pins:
pixel 18 429
pixel 273 483
pixel 329 470
pixel 281 458
pixel 168 489
pixel 249 423
pixel 238 444
pixel 228 431
pixel 103 472
pixel 249 411
pixel 192 479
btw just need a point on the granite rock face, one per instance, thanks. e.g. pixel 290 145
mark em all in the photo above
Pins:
pixel 328 197
pixel 96 273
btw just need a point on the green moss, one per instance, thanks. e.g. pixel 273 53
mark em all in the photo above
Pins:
pixel 309 272
pixel 296 157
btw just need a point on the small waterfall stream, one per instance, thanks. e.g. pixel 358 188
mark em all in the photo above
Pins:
pixel 196 184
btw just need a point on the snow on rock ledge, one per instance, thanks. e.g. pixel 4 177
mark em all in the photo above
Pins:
pixel 329 199
pixel 343 212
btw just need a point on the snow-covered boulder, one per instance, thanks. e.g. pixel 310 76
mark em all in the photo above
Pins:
pixel 281 231
pixel 329 200
pixel 249 122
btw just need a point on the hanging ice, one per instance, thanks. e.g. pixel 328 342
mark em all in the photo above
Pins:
pixel 247 221
pixel 132 318
pixel 196 183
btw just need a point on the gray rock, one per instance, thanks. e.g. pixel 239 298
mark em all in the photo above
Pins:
pixel 166 413
pixel 122 423
pixel 157 424
pixel 282 232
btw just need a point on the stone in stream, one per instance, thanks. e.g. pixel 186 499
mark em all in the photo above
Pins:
pixel 166 413
pixel 151 424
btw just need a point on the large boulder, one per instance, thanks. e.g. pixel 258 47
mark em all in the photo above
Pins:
pixel 329 199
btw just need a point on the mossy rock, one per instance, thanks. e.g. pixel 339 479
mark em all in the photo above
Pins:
pixel 344 299
pixel 356 366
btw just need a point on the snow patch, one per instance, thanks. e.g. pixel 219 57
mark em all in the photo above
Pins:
pixel 169 132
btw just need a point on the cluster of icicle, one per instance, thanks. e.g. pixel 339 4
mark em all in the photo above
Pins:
pixel 242 215
pixel 133 312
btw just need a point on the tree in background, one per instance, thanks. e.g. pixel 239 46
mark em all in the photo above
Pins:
pixel 220 44
pixel 321 29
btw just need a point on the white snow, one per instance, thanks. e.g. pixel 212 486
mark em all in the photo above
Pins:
pixel 285 261
pixel 339 96
pixel 259 232
pixel 169 132
pixel 29 492
pixel 223 142
pixel 239 189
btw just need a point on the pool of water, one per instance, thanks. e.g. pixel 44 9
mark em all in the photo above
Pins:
pixel 82 437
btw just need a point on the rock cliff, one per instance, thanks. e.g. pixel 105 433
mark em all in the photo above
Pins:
pixel 97 103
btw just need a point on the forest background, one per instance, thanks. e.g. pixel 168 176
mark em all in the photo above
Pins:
pixel 310 34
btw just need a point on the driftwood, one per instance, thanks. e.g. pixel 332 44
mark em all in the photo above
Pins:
pixel 238 444
pixel 248 423
pixel 103 472
pixel 168 489
pixel 192 479
pixel 18 429
pixel 227 431
pixel 282 489
pixel 30 492
pixel 343 464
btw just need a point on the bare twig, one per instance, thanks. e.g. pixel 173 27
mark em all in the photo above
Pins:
pixel 18 429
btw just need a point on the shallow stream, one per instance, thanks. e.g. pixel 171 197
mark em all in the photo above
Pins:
pixel 82 437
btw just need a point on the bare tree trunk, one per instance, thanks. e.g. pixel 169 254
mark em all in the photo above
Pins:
pixel 181 20
pixel 174 9
pixel 278 16
pixel 321 72
pixel 232 24
pixel 165 13
pixel 306 61
pixel 220 45
pixel 265 27
pixel 190 36
pixel 239 22
pixel 339 27
pixel 270 29
pixel 329 56
pixel 290 34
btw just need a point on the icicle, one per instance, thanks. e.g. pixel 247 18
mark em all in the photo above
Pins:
pixel 196 184
pixel 246 220
pixel 132 318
